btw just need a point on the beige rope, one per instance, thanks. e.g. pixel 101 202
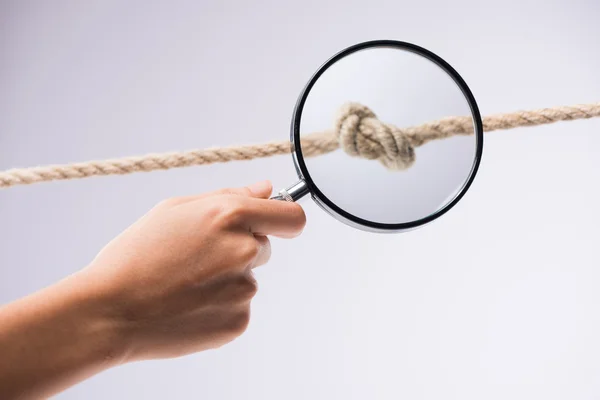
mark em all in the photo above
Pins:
pixel 357 131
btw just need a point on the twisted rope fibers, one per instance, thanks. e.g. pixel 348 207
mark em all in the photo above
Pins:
pixel 357 131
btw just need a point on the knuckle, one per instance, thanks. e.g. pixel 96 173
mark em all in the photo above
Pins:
pixel 238 291
pixel 267 248
pixel 168 203
pixel 223 192
pixel 240 322
pixel 247 250
pixel 232 210
pixel 248 287
pixel 231 191
pixel 213 210
pixel 265 251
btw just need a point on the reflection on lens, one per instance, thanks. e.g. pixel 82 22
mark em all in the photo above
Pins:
pixel 404 130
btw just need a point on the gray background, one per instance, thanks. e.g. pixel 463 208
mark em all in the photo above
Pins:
pixel 498 299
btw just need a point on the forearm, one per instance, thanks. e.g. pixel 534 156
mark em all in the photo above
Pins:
pixel 54 339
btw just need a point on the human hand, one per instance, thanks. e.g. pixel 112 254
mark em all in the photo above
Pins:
pixel 179 280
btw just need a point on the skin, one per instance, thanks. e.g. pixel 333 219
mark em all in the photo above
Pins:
pixel 176 282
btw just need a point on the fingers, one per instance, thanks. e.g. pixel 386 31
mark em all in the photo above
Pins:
pixel 231 290
pixel 241 286
pixel 264 251
pixel 250 210
pixel 271 217
pixel 262 190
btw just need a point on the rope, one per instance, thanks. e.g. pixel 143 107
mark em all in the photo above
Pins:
pixel 357 131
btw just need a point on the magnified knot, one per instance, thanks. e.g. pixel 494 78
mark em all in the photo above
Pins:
pixel 361 134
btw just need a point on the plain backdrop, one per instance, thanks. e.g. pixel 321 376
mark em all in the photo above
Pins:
pixel 497 299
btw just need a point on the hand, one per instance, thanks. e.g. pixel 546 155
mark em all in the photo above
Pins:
pixel 179 280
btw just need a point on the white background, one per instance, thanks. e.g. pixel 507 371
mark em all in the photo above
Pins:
pixel 498 299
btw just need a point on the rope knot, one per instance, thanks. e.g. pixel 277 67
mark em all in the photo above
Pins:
pixel 361 134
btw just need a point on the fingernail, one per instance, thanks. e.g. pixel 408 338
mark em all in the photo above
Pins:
pixel 260 188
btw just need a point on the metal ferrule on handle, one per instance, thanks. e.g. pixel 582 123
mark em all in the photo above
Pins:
pixel 293 193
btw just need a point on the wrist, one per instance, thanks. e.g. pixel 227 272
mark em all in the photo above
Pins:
pixel 94 307
pixel 56 338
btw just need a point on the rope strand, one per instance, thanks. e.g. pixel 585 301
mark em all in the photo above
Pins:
pixel 358 132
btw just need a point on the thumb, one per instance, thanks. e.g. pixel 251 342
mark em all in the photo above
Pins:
pixel 261 190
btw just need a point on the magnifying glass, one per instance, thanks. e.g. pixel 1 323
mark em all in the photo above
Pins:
pixel 398 135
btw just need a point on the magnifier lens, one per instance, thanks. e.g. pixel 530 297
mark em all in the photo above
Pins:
pixel 398 133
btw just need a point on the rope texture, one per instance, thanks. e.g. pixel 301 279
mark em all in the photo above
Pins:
pixel 356 130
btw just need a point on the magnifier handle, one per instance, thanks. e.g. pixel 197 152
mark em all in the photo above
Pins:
pixel 293 193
